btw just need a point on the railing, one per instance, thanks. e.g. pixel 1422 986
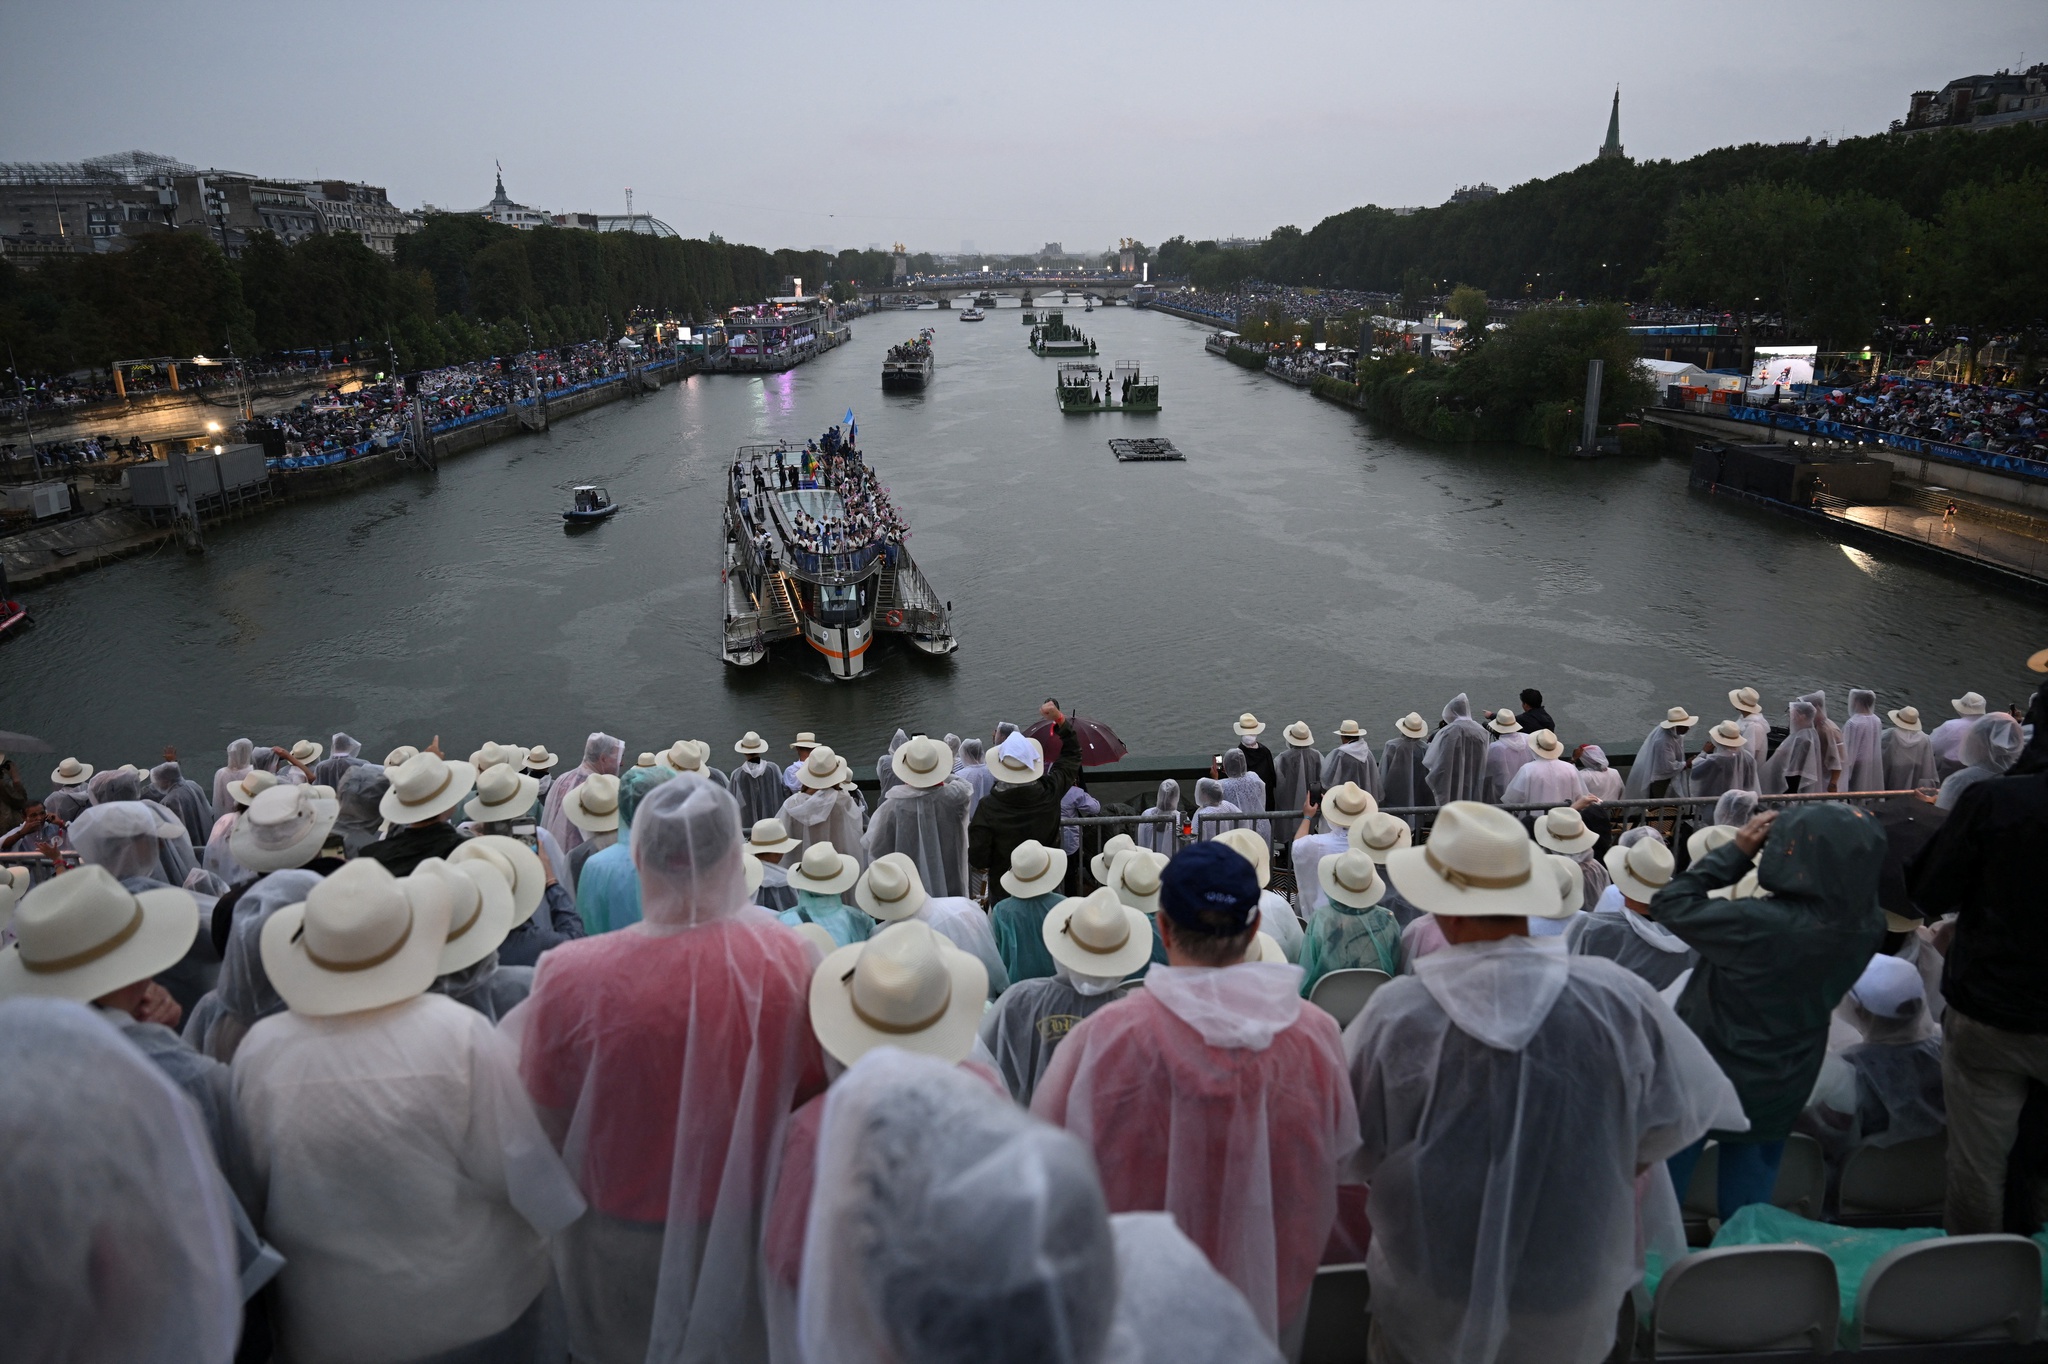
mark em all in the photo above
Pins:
pixel 2007 549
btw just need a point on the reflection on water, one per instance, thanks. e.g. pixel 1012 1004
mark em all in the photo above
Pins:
pixel 1299 564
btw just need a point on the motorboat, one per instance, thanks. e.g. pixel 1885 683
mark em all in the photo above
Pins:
pixel 592 505
pixel 973 315
pixel 14 618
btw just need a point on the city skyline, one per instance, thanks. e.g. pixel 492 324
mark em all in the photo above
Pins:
pixel 1006 130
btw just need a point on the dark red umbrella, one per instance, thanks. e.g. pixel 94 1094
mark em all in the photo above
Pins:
pixel 1099 745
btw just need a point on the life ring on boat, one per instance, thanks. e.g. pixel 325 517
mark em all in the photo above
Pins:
pixel 893 619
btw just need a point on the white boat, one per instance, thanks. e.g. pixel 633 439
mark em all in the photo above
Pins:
pixel 973 315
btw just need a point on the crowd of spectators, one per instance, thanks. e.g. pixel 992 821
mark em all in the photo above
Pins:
pixel 1997 421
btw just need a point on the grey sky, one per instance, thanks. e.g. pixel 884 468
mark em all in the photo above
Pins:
pixel 810 124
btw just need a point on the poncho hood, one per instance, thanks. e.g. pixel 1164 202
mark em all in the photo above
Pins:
pixel 1244 1006
pixel 1498 992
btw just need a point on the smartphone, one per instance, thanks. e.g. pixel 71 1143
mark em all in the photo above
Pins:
pixel 1315 795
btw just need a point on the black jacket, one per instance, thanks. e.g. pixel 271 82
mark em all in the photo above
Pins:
pixel 1009 815
pixel 528 938
pixel 1534 719
pixel 1259 758
pixel 1989 863
pixel 407 848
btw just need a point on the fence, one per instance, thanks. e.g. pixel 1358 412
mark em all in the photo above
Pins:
pixel 2008 549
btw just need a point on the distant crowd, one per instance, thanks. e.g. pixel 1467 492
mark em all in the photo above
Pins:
pixel 1997 421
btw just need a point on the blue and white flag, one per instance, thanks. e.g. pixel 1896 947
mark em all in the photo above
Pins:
pixel 852 428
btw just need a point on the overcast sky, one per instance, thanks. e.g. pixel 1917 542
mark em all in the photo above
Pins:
pixel 845 124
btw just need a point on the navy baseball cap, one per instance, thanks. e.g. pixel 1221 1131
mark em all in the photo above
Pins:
pixel 1210 888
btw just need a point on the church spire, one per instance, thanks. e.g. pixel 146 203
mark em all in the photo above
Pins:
pixel 500 197
pixel 1612 146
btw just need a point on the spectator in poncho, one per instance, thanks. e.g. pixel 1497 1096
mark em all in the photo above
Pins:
pixel 1830 737
pixel 1887 1088
pixel 344 756
pixel 183 797
pixel 360 823
pixel 1351 760
pixel 1246 791
pixel 1258 759
pixel 1627 935
pixel 1162 836
pixel 1948 736
pixel 1908 755
pixel 1726 763
pixel 923 815
pixel 756 783
pixel 1212 809
pixel 601 753
pixel 1095 941
pixel 1455 761
pixel 1403 781
pixel 1546 779
pixel 1350 928
pixel 1596 778
pixel 1992 745
pixel 1799 764
pixel 823 810
pixel 1749 718
pixel 1564 831
pixel 974 771
pixel 1659 766
pixel 1018 920
pixel 1862 746
pixel 241 755
pixel 1297 768
pixel 1508 752
pixel 821 878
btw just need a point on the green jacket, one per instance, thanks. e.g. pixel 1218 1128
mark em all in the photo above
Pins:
pixel 1773 968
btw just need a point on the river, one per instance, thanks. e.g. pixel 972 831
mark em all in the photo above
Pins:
pixel 1300 564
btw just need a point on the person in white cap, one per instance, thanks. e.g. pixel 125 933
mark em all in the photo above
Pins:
pixel 756 783
pixel 1947 738
pixel 1508 752
pixel 825 809
pixel 821 877
pixel 1471 1075
pixel 601 753
pixel 1862 750
pixel 1350 760
pixel 1032 887
pixel 924 815
pixel 1887 1088
pixel 1350 929
pixel 1749 718
pixel 1297 768
pixel 1545 779
pixel 1628 935
pixel 1095 941
pixel 1908 753
pixel 1659 768
pixel 1725 763
pixel 1403 781
pixel 1276 916
pixel 399 1167
pixel 1455 761
pixel 666 1060
pixel 1137 1082
pixel 607 887
pixel 425 790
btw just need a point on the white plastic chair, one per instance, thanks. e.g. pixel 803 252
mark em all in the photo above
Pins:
pixel 1747 1298
pixel 1339 1303
pixel 1341 994
pixel 1952 1288
pixel 1902 1185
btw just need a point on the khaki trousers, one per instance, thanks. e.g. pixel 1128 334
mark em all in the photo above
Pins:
pixel 1984 1073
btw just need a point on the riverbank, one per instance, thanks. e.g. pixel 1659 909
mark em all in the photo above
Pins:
pixel 165 415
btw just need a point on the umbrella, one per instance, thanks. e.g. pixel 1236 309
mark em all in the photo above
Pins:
pixel 1099 745
pixel 10 742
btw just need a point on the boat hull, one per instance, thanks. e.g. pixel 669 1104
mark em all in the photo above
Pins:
pixel 843 647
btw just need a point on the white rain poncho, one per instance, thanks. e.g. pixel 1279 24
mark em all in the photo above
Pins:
pixel 964 923
pixel 1028 1022
pixel 601 753
pixel 1800 763
pixel 243 994
pixel 184 798
pixel 1947 742
pixel 360 823
pixel 822 817
pixel 1209 801
pixel 1505 756
pixel 1660 759
pixel 1217 1095
pixel 1507 1096
pixel 491 989
pixel 1908 760
pixel 1757 730
pixel 1886 1088
pixel 1735 807
pixel 1596 778
pixel 343 757
pixel 241 756
pixel 403 1175
pixel 1163 837
pixel 1830 732
pixel 757 785
pixel 1347 762
pixel 1862 749
pixel 1294 771
pixel 929 826
pixel 1403 782
pixel 1724 769
pixel 1632 941
pixel 1172 1305
pixel 885 770
pixel 117 1236
pixel 665 1060
pixel 1548 782
pixel 1992 745
pixel 974 771
pixel 1455 761
pixel 1247 791
pixel 129 838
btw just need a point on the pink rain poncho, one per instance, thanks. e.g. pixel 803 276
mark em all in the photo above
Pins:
pixel 1507 1096
pixel 1219 1096
pixel 666 1059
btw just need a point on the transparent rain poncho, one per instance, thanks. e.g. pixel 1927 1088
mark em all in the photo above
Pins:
pixel 1908 760
pixel 1172 1305
pixel 241 754
pixel 1635 943
pixel 965 924
pixel 344 755
pixel 1294 771
pixel 1596 778
pixel 1800 762
pixel 1660 759
pixel 1455 761
pixel 1735 807
pixel 1992 745
pixel 974 771
pixel 116 1232
pixel 601 753
pixel 1507 1096
pixel 1757 730
pixel 1247 791
pixel 1505 756
pixel 929 826
pixel 1548 782
pixel 1830 732
pixel 243 994
pixel 144 845
pixel 1209 801
pixel 829 816
pixel 1862 748
pixel 1403 781
pixel 757 785
pixel 885 771
pixel 608 889
pixel 1340 938
pixel 1346 762
pixel 360 823
pixel 117 784
pixel 185 799
pixel 848 924
pixel 1725 769
pixel 665 1060
pixel 1163 837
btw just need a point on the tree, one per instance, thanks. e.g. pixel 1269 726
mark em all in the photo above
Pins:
pixel 1982 261
pixel 1416 291
pixel 1468 305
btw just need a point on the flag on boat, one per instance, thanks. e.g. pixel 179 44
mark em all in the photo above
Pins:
pixel 852 427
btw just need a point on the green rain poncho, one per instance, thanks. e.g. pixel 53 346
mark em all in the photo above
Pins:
pixel 1340 938
pixel 1772 969
pixel 848 924
pixel 1019 926
pixel 608 889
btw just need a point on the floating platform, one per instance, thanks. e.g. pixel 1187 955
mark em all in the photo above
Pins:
pixel 1148 448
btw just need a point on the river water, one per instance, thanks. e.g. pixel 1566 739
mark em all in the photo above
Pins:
pixel 1299 564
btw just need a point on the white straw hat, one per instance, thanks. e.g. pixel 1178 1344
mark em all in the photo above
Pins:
pixel 824 870
pixel 1378 835
pixel 1034 869
pixel 1677 718
pixel 805 739
pixel 1906 718
pixel 14 883
pixel 684 755
pixel 306 751
pixel 822 769
pixel 1727 735
pixel 1252 849
pixel 644 760
pixel 594 806
pixel 1100 865
pixel 1351 878
pixel 1016 761
pixel 425 786
pixel 83 934
pixel 538 759
pixel 1641 869
pixel 1413 725
pixel 1299 735
pixel 1746 700
pixel 1266 948
pixel 1544 744
pixel 399 756
pixel 1705 840
pixel 1248 725
pixel 1135 879
pixel 1344 805
pixel 1350 730
pixel 818 937
pixel 502 792
pixel 480 911
pixel 1478 860
pixel 497 755
pixel 904 987
pixel 518 864
pixel 770 836
pixel 251 785
pixel 1097 935
pixel 923 762
pixel 1968 704
pixel 71 772
pixel 891 889
pixel 1563 830
pixel 282 828
pixel 756 873
pixel 1571 882
pixel 1504 721
pixel 751 744
pixel 362 939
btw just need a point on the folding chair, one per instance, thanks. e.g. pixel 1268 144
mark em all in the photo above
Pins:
pixel 1895 1186
pixel 1953 1288
pixel 1744 1299
pixel 1339 1303
pixel 1341 994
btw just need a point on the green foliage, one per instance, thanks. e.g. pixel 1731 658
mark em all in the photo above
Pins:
pixel 1245 356
pixel 1982 261
pixel 1468 305
pixel 169 294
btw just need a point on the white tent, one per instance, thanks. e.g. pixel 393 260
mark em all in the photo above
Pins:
pixel 1664 373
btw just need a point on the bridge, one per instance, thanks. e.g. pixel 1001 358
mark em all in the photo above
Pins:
pixel 945 288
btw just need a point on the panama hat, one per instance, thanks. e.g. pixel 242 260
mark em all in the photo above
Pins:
pixel 824 870
pixel 71 772
pixel 644 760
pixel 1478 860
pixel 905 987
pixel 83 934
pixel 360 940
pixel 538 759
pixel 1352 879
pixel 924 762
pixel 1641 869
pixel 1252 849
pixel 1135 879
pixel 1563 830
pixel 805 739
pixel 1705 840
pixel 1746 700
pixel 306 751
pixel 1504 721
pixel 1906 718
pixel 1676 718
pixel 685 755
pixel 1378 835
pixel 1299 735
pixel 497 755
pixel 1017 761
pixel 282 828
pixel 518 864
pixel 1571 882
pixel 480 911
pixel 751 743
pixel 1346 804
pixel 822 769
pixel 755 872
pixel 502 792
pixel 400 756
pixel 251 785
pixel 891 889
pixel 1265 948
pixel 1968 704
pixel 13 885
pixel 424 786
pixel 1413 725
pixel 1350 730
pixel 1103 863
pixel 1097 935
pixel 1248 725
pixel 1543 743
pixel 818 938
pixel 1727 735
pixel 594 806
pixel 1034 869
pixel 770 836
